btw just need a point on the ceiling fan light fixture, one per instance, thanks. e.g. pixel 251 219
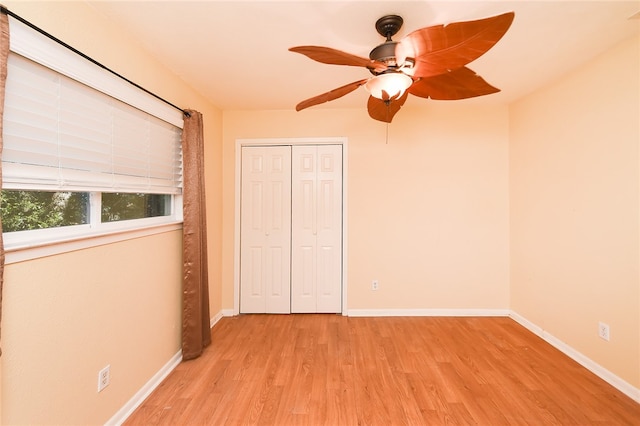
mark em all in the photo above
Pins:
pixel 393 83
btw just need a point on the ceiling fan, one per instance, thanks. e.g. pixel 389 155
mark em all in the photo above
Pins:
pixel 429 63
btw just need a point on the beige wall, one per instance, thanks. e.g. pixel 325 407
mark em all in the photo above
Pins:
pixel 65 317
pixel 574 188
pixel 427 212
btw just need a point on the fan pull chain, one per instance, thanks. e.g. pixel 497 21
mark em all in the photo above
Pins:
pixel 387 135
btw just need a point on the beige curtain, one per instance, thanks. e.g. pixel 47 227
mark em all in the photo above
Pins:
pixel 4 54
pixel 196 333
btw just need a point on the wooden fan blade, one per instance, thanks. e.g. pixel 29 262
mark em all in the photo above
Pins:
pixel 331 95
pixel 327 55
pixel 384 110
pixel 462 83
pixel 441 48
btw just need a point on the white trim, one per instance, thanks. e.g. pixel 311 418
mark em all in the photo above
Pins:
pixel 606 375
pixel 38 249
pixel 291 141
pixel 37 47
pixel 345 231
pixel 236 230
pixel 228 313
pixel 428 312
pixel 214 320
pixel 288 141
pixel 137 399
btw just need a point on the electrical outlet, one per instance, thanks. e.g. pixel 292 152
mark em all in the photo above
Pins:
pixel 374 285
pixel 603 331
pixel 104 378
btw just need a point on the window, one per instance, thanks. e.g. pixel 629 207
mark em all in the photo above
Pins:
pixel 30 210
pixel 84 151
pixel 124 206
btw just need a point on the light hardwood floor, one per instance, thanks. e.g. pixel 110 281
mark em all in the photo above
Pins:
pixel 335 370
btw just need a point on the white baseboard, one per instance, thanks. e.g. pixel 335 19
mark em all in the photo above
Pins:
pixel 228 313
pixel 217 317
pixel 428 312
pixel 145 391
pixel 606 375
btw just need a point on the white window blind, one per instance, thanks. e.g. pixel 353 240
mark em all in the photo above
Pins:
pixel 71 125
pixel 60 134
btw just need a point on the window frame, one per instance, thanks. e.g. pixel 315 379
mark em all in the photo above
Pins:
pixel 31 244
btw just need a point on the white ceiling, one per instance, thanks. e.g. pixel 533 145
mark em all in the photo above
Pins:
pixel 236 52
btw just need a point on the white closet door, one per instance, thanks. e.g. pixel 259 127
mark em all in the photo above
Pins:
pixel 316 257
pixel 265 227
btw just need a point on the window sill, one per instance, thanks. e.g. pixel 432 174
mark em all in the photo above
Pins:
pixel 37 249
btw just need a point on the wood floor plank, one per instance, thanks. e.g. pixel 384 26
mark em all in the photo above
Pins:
pixel 321 369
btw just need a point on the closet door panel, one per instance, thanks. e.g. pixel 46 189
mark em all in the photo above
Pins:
pixel 265 232
pixel 316 279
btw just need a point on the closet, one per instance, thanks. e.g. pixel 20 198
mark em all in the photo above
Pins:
pixel 291 229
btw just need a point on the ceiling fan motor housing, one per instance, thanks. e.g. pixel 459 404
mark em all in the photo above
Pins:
pixel 387 26
pixel 384 52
